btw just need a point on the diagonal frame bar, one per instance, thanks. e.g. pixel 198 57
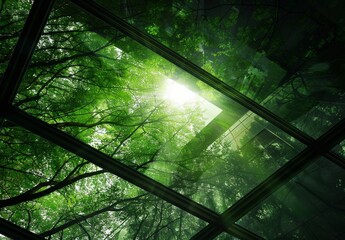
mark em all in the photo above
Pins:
pixel 24 50
pixel 102 160
pixel 11 80
pixel 276 180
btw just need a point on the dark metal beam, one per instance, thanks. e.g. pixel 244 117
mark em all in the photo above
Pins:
pixel 279 178
pixel 14 231
pixel 102 160
pixel 24 49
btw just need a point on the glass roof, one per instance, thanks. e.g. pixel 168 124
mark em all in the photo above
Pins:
pixel 172 119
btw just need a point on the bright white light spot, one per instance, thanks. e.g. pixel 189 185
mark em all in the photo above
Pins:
pixel 118 52
pixel 178 94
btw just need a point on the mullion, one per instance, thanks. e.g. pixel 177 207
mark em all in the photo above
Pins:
pixel 11 80
pixel 175 58
pixel 121 170
pixel 24 50
pixel 323 144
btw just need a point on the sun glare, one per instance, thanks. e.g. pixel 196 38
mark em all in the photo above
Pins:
pixel 178 94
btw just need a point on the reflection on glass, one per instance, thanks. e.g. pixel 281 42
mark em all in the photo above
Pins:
pixel 12 17
pixel 311 206
pixel 308 102
pixel 54 193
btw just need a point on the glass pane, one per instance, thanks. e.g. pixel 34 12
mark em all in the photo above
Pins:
pixel 277 54
pixel 126 101
pixel 311 206
pixel 52 192
pixel 12 17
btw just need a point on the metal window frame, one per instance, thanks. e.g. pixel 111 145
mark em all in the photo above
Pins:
pixel 217 223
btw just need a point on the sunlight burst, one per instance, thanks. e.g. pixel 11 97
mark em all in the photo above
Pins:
pixel 178 94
